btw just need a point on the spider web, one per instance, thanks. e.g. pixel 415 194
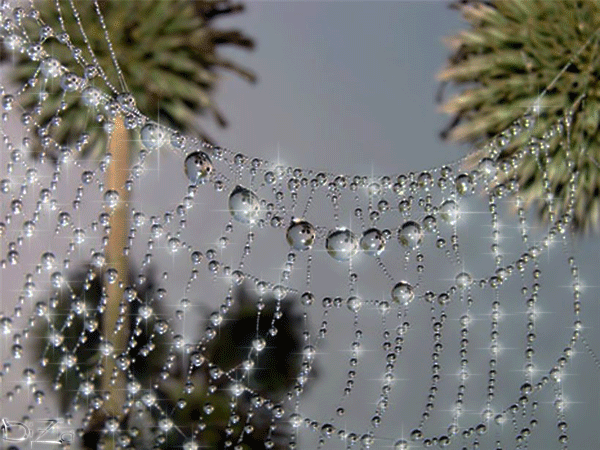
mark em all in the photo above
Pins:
pixel 422 295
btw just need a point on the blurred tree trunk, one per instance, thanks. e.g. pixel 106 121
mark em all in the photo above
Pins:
pixel 115 319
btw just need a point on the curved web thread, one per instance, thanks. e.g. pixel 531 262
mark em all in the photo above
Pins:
pixel 405 270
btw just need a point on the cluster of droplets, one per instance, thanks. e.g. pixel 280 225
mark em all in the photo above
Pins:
pixel 396 219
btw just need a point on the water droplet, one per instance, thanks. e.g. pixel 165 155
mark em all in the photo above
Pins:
pixel 487 167
pixel 174 245
pixel 416 434
pixel 145 311
pixel 216 319
pixel 244 205
pixel 161 326
pixel 309 352
pixel 307 298
pixel 48 260
pixel 198 167
pixel 197 359
pixel 70 82
pixel 153 136
pixel 50 67
pixel 341 244
pixel 86 388
pixel 259 344
pixel 367 440
pixel 327 430
pixel 295 420
pixel 149 398
pixel 111 275
pixel 111 198
pixel 112 424
pixel 190 445
pixel 372 242
pixel 403 293
pixel 449 212
pixel 354 303
pixel 301 235
pixel 464 184
pixel 123 362
pixel 78 236
pixel 410 234
pixel 91 96
pixel 6 325
pixel 237 389
pixel 98 260
pixel 165 424
pixel 429 223
pixel 56 338
pixel 401 445
pixel 463 280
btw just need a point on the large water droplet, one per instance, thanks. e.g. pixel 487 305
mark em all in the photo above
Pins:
pixel 341 244
pixel 198 167
pixel 153 136
pixel 449 212
pixel 91 96
pixel 244 205
pixel 372 242
pixel 463 280
pixel 354 303
pixel 50 67
pixel 403 293
pixel 487 167
pixel 111 198
pixel 410 234
pixel 295 420
pixel 237 389
pixel 301 235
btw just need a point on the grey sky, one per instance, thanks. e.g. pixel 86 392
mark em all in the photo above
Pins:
pixel 341 84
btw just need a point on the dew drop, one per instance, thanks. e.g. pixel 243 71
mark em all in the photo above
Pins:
pixel 301 235
pixel 403 293
pixel 165 424
pixel 70 82
pixel 295 420
pixel 6 325
pixel 48 260
pixel 91 96
pixel 111 198
pixel 354 303
pixel 153 136
pixel 429 223
pixel 410 234
pixel 259 344
pixel 401 445
pixel 161 326
pixel 237 389
pixel 111 275
pixel 372 242
pixel 307 298
pixel 244 205
pixel 449 212
pixel 50 67
pixel 463 280
pixel 198 167
pixel 341 244
pixel 464 184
